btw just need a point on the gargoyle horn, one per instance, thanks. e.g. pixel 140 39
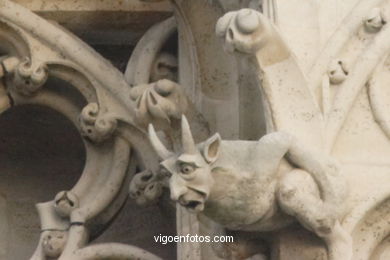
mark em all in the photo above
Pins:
pixel 187 139
pixel 158 146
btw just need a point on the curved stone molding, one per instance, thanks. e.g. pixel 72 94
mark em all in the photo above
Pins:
pixel 35 51
pixel 161 101
pixel 113 251
pixel 102 251
pixel 139 68
pixel 365 64
pixel 249 32
pixel 153 75
pixel 353 22
pixel 377 90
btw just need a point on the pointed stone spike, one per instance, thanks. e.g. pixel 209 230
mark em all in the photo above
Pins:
pixel 187 139
pixel 158 146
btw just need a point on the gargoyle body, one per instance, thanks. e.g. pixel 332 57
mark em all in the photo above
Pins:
pixel 248 186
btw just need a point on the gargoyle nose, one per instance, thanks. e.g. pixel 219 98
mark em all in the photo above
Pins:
pixel 177 188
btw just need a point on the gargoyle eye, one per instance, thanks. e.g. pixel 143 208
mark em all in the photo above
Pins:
pixel 186 169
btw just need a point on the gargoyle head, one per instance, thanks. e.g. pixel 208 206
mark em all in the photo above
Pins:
pixel 190 170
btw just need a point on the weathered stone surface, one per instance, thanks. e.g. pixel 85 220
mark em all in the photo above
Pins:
pixel 296 93
pixel 102 22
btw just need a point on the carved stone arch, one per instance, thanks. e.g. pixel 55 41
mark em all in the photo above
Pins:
pixel 13 41
pixel 34 51
pixel 32 134
pixel 304 86
pixel 139 67
pixel 211 87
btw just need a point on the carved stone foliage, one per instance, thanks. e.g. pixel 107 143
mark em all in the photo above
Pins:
pixel 159 102
pixel 159 99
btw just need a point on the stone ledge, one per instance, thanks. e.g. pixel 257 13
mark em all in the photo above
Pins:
pixel 102 21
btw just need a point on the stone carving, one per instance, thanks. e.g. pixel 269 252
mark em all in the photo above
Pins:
pixel 5 101
pixel 159 102
pixel 95 126
pixel 29 78
pixel 96 100
pixel 146 187
pixel 240 185
pixel 164 67
pixel 323 93
pixel 158 98
pixel 374 21
pixel 245 31
pixel 24 75
pixel 153 73
pixel 338 72
pixel 54 243
pixel 149 61
pixel 65 202
pixel 333 94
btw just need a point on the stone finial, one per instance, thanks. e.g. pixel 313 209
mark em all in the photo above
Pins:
pixel 53 243
pixel 65 202
pixel 244 31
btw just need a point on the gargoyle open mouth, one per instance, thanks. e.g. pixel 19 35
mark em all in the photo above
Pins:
pixel 193 205
pixel 193 200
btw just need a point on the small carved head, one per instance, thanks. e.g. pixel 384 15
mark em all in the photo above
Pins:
pixel 190 173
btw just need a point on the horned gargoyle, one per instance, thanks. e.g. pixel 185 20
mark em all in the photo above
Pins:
pixel 248 186
pixel 161 103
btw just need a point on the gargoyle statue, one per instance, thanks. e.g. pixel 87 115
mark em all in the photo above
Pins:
pixel 249 186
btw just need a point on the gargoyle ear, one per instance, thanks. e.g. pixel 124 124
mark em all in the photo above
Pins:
pixel 211 148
